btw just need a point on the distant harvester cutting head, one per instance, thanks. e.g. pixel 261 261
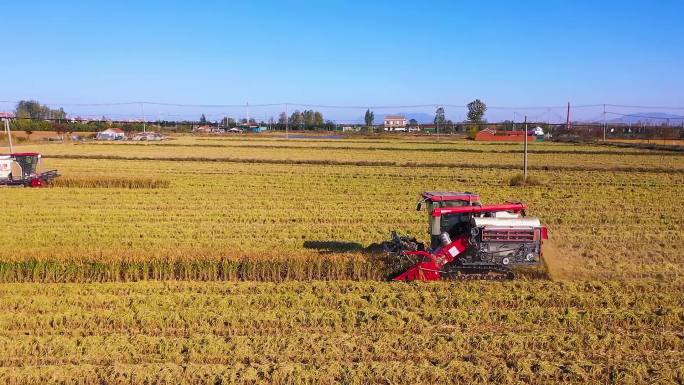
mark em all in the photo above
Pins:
pixel 469 240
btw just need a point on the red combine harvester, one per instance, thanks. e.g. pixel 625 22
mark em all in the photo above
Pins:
pixel 468 240
pixel 20 169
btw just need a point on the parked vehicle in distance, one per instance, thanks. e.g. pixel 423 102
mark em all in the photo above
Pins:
pixel 149 136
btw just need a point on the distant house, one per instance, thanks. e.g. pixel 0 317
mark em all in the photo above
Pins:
pixel 395 123
pixel 203 129
pixel 111 134
pixel 6 115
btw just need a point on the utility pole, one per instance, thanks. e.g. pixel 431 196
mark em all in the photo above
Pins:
pixel 437 126
pixel 567 118
pixel 9 135
pixel 287 121
pixel 604 123
pixel 525 157
pixel 667 126
pixel 513 122
pixel 142 108
pixel 247 104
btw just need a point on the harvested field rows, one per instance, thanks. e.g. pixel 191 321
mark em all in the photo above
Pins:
pixel 379 155
pixel 351 332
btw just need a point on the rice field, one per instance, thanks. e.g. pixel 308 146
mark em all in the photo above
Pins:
pixel 342 332
pixel 385 153
pixel 234 260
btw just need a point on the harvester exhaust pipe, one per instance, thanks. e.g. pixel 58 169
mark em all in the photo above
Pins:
pixel 444 238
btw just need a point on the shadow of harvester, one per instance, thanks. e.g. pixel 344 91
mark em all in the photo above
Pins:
pixel 372 255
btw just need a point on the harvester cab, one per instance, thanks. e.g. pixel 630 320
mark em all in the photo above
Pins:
pixel 454 224
pixel 468 240
pixel 21 169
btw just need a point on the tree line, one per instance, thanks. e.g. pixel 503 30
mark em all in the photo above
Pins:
pixel 33 116
pixel 32 109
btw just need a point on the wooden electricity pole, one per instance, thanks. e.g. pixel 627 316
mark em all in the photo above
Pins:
pixel 605 124
pixel 142 109
pixel 525 157
pixel 9 135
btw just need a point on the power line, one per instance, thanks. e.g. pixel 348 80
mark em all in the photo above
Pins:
pixel 337 106
pixel 646 107
pixel 646 116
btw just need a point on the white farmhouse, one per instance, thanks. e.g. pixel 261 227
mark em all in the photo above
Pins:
pixel 110 134
pixel 395 123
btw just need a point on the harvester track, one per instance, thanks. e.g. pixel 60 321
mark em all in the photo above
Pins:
pixel 478 273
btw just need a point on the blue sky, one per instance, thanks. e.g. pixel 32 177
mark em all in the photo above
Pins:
pixel 362 53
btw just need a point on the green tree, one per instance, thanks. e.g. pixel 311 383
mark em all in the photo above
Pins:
pixel 59 113
pixel 507 125
pixel 282 118
pixel 439 117
pixel 472 132
pixel 296 119
pixel 61 129
pixel 203 120
pixel 32 109
pixel 32 125
pixel 476 110
pixel 318 119
pixel 128 128
pixel 308 116
pixel 29 109
pixel 369 117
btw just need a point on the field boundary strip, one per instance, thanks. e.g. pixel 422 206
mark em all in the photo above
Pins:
pixel 368 163
pixel 432 149
pixel 674 148
pixel 650 152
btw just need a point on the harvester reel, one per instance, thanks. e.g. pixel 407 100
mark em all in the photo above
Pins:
pixel 397 249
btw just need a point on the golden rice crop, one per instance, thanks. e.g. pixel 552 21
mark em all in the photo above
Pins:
pixel 605 224
pixel 352 332
pixel 110 182
pixel 390 154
